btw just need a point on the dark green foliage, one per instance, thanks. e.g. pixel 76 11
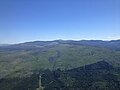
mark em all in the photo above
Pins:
pixel 26 83
pixel 98 76
pixel 90 77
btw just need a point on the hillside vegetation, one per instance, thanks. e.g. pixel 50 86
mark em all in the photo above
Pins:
pixel 25 60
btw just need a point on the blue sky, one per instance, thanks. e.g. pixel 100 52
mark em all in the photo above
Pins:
pixel 30 20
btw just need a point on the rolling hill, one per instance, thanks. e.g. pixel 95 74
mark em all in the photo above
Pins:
pixel 25 59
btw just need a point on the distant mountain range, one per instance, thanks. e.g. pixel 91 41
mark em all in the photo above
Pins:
pixel 113 44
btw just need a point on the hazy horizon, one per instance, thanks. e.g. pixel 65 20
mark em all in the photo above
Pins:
pixel 57 39
pixel 46 20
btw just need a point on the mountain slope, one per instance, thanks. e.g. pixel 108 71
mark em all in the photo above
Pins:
pixel 22 62
pixel 63 64
pixel 96 76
